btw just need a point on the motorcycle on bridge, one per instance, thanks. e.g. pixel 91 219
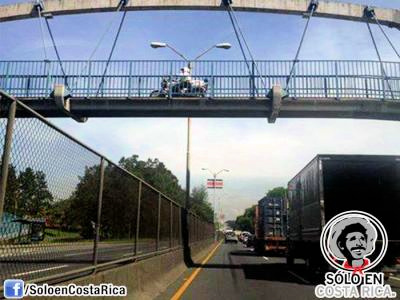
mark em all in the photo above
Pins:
pixel 181 86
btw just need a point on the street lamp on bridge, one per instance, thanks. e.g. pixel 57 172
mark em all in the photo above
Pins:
pixel 157 45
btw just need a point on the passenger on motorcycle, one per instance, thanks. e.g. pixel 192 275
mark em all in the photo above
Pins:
pixel 185 77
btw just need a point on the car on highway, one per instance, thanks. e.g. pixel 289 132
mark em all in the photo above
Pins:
pixel 250 241
pixel 244 236
pixel 230 237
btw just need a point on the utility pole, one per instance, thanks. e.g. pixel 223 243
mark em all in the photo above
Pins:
pixel 214 175
pixel 188 164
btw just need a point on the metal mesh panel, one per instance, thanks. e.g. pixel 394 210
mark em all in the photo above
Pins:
pixel 165 224
pixel 49 203
pixel 176 231
pixel 148 220
pixel 118 215
pixel 51 222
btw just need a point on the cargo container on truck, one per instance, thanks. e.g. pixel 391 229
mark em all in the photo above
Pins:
pixel 332 184
pixel 270 225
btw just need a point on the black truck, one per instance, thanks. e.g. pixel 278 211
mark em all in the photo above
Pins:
pixel 270 225
pixel 331 184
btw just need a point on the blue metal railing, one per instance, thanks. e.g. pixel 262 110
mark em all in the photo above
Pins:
pixel 226 79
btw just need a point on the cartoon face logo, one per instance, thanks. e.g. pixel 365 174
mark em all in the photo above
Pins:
pixel 349 238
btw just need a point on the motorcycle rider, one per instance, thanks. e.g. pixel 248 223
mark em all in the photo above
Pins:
pixel 185 77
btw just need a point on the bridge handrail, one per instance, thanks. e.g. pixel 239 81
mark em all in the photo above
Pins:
pixel 227 78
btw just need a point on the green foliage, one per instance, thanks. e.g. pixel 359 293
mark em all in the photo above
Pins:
pixel 231 224
pixel 156 174
pixel 27 194
pixel 82 207
pixel 277 192
pixel 245 222
pixel 119 203
pixel 199 204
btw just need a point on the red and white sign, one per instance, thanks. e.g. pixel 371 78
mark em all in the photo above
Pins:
pixel 215 184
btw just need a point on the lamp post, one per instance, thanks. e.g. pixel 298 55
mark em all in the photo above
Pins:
pixel 157 45
pixel 214 174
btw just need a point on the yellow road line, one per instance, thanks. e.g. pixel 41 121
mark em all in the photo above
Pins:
pixel 186 284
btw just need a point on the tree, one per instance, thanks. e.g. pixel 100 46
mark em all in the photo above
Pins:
pixel 12 192
pixel 156 174
pixel 277 192
pixel 34 198
pixel 231 224
pixel 199 205
pixel 83 204
pixel 245 222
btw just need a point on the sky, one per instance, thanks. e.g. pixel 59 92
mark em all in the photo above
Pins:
pixel 259 155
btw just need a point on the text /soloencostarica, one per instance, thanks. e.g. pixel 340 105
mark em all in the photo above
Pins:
pixel 73 290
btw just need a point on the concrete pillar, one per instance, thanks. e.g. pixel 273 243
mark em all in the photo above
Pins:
pixel 276 103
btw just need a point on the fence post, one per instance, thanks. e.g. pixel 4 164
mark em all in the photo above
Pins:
pixel 158 222
pixel 99 206
pixel 170 82
pixel 326 87
pixel 212 80
pixel 171 222
pixel 138 218
pixel 28 86
pixel 5 161
pixel 337 80
pixel 48 76
pixel 383 83
pixel 180 225
pixel 6 87
pixel 130 80
pixel 89 80
pixel 366 87
pixel 252 81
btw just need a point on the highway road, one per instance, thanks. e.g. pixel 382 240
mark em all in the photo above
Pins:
pixel 236 272
pixel 40 260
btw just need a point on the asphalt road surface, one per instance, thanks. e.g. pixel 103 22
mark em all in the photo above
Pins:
pixel 236 272
pixel 41 260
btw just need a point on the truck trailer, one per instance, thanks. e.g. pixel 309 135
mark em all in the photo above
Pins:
pixel 270 225
pixel 332 184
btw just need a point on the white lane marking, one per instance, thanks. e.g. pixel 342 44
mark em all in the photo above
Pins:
pixel 395 278
pixel 80 253
pixel 128 254
pixel 299 277
pixel 266 258
pixel 132 254
pixel 41 270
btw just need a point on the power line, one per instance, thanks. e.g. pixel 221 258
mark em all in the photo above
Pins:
pixel 311 8
pixel 384 33
pixel 121 4
pixel 57 53
pixel 368 14
pixel 39 7
pixel 111 53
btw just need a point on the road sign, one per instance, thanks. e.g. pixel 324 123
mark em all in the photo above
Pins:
pixel 215 184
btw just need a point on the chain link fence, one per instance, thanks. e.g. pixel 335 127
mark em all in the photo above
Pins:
pixel 66 209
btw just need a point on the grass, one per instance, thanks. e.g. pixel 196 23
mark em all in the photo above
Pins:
pixel 57 236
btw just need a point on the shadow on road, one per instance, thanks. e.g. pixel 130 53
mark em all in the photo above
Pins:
pixel 279 271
